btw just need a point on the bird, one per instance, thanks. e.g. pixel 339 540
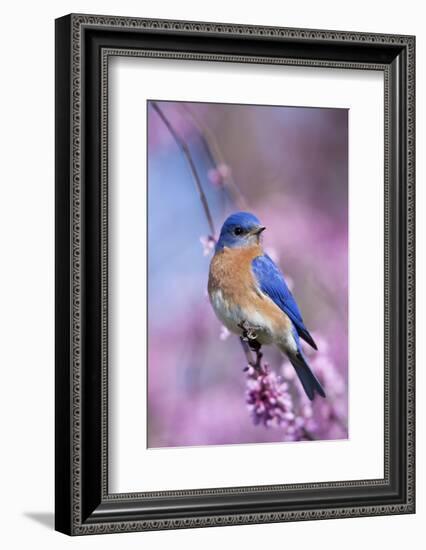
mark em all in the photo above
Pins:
pixel 247 289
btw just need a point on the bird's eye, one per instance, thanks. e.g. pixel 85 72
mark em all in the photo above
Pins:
pixel 238 231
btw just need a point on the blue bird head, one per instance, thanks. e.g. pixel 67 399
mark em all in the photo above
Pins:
pixel 240 230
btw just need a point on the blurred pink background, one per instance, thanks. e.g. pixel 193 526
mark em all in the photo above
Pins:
pixel 289 166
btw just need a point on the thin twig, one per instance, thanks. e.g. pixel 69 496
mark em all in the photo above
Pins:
pixel 247 353
pixel 185 150
pixel 206 138
pixel 216 157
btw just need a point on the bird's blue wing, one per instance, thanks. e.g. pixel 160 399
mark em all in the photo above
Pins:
pixel 272 283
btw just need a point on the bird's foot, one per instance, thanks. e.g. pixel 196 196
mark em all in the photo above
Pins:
pixel 250 334
pixel 249 338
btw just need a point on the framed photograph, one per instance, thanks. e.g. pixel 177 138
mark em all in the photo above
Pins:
pixel 234 274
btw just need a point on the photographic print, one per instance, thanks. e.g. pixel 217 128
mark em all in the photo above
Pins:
pixel 247 274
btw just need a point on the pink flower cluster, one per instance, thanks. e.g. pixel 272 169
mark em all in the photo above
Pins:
pixel 270 403
pixel 281 402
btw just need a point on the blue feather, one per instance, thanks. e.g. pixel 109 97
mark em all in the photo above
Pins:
pixel 272 283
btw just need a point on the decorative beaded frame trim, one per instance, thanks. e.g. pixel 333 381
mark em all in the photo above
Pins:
pixel 78 23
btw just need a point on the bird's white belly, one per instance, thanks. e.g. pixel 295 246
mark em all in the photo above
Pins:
pixel 233 316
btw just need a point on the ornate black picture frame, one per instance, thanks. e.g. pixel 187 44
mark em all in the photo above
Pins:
pixel 83 45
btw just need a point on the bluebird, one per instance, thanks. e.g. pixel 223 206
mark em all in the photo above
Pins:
pixel 246 288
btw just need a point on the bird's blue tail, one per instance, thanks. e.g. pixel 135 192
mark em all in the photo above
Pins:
pixel 309 381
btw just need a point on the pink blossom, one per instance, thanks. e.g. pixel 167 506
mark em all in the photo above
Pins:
pixel 224 333
pixel 219 175
pixel 208 244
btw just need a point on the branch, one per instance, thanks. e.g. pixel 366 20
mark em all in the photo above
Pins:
pixel 185 150
pixel 247 353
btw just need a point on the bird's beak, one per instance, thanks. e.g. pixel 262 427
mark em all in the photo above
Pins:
pixel 258 230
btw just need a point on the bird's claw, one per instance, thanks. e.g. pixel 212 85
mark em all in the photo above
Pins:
pixel 250 332
pixel 249 336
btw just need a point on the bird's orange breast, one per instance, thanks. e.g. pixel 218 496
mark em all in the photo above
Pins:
pixel 231 274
